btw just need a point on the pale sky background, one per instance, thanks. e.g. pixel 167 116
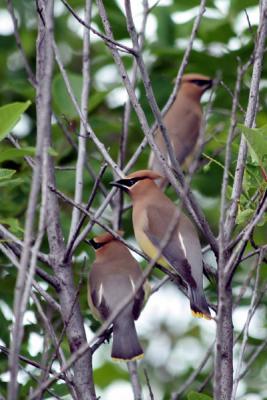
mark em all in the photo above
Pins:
pixel 167 305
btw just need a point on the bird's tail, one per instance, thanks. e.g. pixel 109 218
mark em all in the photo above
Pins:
pixel 198 303
pixel 125 344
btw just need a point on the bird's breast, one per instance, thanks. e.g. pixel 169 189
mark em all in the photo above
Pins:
pixel 148 248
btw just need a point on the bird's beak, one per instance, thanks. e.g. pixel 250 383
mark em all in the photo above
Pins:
pixel 120 184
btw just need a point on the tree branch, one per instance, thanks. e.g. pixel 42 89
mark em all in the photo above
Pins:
pixel 84 107
pixel 250 117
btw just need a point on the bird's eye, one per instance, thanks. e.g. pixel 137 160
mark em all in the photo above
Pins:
pixel 95 244
pixel 200 82
pixel 132 181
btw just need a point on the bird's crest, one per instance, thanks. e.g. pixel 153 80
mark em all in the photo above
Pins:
pixel 143 174
pixel 105 238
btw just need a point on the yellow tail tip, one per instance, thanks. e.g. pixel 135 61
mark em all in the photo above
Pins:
pixel 136 358
pixel 198 314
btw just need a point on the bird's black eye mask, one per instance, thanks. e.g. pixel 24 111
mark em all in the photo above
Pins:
pixel 202 82
pixel 125 183
pixel 96 245
pixel 130 182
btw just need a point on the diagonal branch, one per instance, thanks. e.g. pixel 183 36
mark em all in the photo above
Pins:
pixel 190 202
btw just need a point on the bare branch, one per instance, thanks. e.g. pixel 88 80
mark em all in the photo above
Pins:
pixel 14 260
pixel 21 296
pixel 151 395
pixel 250 116
pixel 82 369
pixel 246 328
pixel 137 388
pixel 84 107
pixel 101 147
pixel 106 39
pixel 82 219
pixel 35 364
pixel 27 66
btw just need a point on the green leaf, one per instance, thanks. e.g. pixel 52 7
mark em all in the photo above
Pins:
pixel 244 216
pixel 185 5
pixel 10 115
pixel 236 5
pixel 198 396
pixel 257 142
pixel 219 28
pixel 96 99
pixel 107 374
pixel 165 27
pixel 12 224
pixel 12 154
pixel 52 152
pixel 11 182
pixel 6 173
pixel 61 97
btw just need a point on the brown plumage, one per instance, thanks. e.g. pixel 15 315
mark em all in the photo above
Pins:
pixel 114 275
pixel 153 212
pixel 183 122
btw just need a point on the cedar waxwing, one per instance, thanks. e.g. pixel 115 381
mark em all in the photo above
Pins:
pixel 153 212
pixel 183 122
pixel 113 277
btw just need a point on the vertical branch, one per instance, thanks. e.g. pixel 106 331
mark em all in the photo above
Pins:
pixel 240 73
pixel 137 389
pixel 246 327
pixel 82 369
pixel 223 382
pixel 22 286
pixel 224 344
pixel 250 115
pixel 57 352
pixel 118 198
pixel 84 106
pixel 27 66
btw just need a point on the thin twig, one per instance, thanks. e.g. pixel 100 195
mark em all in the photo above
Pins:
pixel 84 109
pixel 106 39
pixel 246 329
pixel 82 219
pixel 14 260
pixel 118 198
pixel 35 364
pixel 58 351
pixel 151 395
pixel 101 147
pixel 27 66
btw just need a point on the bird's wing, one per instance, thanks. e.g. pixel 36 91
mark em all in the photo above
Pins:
pixel 174 252
pixel 186 140
pixel 111 292
pixel 97 302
